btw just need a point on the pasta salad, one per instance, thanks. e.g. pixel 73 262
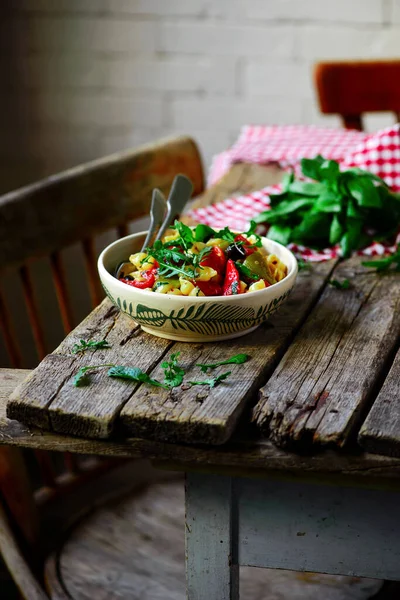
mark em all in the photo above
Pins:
pixel 203 262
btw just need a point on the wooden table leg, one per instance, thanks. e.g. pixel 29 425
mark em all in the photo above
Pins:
pixel 212 572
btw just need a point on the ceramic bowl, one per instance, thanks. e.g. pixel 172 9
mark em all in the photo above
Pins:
pixel 193 319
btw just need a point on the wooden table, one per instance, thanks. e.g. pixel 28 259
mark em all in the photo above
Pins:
pixel 297 467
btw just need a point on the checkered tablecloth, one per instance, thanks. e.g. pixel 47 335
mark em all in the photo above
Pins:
pixel 378 153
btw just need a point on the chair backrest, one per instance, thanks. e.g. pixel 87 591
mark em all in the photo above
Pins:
pixel 352 88
pixel 40 220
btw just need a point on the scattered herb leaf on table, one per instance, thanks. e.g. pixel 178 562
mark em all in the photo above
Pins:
pixel 237 359
pixel 212 382
pixel 82 376
pixel 134 374
pixel 350 208
pixel 340 285
pixel 385 263
pixel 90 345
pixel 173 373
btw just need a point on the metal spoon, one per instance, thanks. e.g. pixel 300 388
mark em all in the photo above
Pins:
pixel 180 193
pixel 157 212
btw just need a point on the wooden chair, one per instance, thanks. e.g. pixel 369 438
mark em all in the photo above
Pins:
pixel 38 221
pixel 352 88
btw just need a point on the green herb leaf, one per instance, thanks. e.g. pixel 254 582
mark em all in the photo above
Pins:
pixel 203 233
pixel 134 374
pixel 329 170
pixel 340 285
pixel 212 382
pixel 252 231
pixel 225 234
pixel 173 373
pixel 336 231
pixel 303 265
pixel 328 202
pixel 186 235
pixel 90 345
pixel 310 167
pixel 306 189
pixel 237 359
pixel 364 191
pixel 280 233
pixel 82 376
pixel 243 270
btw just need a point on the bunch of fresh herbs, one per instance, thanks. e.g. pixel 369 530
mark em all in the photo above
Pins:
pixel 350 208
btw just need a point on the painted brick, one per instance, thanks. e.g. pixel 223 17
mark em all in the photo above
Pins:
pixel 353 11
pixel 275 78
pixel 222 39
pixel 72 70
pixel 85 34
pixel 57 6
pixel 91 109
pixel 215 75
pixel 343 42
pixel 217 115
pixel 158 7
pixel 395 11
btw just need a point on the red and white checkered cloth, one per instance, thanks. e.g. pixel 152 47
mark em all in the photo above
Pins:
pixel 378 153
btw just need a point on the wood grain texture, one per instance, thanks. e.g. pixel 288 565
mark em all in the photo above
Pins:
pixel 243 454
pixel 91 198
pixel 133 549
pixel 13 558
pixel 380 431
pixel 200 414
pixel 324 385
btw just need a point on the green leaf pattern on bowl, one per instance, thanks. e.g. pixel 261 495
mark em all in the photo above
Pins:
pixel 206 319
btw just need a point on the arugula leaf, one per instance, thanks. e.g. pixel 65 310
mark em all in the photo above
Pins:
pixel 186 235
pixel 252 231
pixel 340 285
pixel 134 374
pixel 82 376
pixel 237 359
pixel 173 373
pixel 212 382
pixel 243 270
pixel 225 234
pixel 90 345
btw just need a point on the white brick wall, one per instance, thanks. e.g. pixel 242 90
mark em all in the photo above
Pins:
pixel 82 78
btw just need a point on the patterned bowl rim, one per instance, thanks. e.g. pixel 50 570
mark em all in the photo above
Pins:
pixel 291 264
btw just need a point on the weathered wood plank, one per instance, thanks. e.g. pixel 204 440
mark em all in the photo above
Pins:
pixel 30 401
pixel 91 198
pixel 325 383
pixel 202 415
pixel 381 430
pixel 239 455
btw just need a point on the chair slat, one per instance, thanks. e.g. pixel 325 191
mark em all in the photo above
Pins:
pixel 122 230
pixel 353 122
pixel 46 468
pixel 89 252
pixel 9 335
pixel 58 272
pixel 33 313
